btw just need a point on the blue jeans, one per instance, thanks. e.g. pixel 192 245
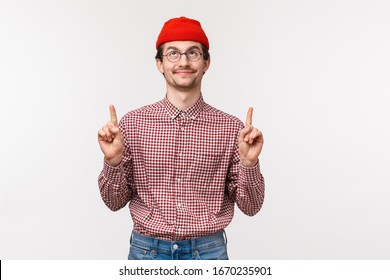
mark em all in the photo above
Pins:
pixel 212 247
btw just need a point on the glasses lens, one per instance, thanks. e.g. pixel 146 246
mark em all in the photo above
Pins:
pixel 193 55
pixel 173 56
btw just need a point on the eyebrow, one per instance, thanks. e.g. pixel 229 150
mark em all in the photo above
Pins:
pixel 176 49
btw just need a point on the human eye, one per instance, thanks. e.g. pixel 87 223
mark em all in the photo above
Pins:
pixel 193 54
pixel 173 54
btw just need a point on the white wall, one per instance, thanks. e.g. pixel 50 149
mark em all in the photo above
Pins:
pixel 316 72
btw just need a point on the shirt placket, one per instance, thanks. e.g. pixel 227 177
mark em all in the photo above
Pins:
pixel 179 169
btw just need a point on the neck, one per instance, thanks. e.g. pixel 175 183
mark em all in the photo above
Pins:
pixel 183 99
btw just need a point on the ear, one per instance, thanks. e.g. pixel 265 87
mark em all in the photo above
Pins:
pixel 159 65
pixel 206 65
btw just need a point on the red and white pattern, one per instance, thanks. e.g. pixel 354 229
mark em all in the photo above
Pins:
pixel 181 171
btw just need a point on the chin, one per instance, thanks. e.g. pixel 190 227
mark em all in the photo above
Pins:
pixel 185 85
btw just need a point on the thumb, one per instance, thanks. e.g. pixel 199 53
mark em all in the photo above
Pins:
pixel 244 132
pixel 116 132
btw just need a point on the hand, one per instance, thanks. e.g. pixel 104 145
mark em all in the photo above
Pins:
pixel 111 140
pixel 250 142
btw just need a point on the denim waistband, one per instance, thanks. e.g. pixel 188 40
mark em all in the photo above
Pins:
pixel 181 246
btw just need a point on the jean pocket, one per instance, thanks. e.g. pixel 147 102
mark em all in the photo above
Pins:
pixel 213 253
pixel 137 253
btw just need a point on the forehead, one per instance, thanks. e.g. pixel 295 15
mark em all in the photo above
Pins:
pixel 182 45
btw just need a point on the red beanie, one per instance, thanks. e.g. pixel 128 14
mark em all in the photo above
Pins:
pixel 182 29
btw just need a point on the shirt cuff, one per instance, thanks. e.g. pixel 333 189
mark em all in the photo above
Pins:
pixel 113 173
pixel 251 174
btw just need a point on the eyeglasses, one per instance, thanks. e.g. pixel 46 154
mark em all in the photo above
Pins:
pixel 175 56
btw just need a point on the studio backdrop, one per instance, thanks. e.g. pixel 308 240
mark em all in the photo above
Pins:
pixel 317 74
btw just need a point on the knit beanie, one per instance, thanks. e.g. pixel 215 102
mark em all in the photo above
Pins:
pixel 182 29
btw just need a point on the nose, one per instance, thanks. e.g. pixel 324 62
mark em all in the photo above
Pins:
pixel 183 61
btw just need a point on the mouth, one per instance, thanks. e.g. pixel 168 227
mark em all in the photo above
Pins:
pixel 184 72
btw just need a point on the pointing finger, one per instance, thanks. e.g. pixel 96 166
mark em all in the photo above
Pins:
pixel 114 118
pixel 249 116
pixel 113 129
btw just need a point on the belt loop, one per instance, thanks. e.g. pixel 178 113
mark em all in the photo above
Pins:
pixel 194 250
pixel 131 238
pixel 193 244
pixel 155 245
pixel 224 234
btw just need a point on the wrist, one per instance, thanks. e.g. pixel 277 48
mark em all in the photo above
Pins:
pixel 113 162
pixel 249 163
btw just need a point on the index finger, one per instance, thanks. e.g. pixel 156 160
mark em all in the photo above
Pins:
pixel 249 116
pixel 114 118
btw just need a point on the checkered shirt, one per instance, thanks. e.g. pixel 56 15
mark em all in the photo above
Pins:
pixel 181 171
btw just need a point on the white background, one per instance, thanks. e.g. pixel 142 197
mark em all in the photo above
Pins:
pixel 316 72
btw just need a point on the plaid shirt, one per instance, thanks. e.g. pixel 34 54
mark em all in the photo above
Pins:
pixel 181 171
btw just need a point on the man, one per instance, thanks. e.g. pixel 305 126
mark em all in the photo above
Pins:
pixel 181 163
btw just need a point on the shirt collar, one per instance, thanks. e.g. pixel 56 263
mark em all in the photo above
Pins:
pixel 192 112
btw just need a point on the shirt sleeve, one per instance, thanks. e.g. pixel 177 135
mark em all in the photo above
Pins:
pixel 245 185
pixel 115 182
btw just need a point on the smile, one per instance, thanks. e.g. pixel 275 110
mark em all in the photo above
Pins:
pixel 184 72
